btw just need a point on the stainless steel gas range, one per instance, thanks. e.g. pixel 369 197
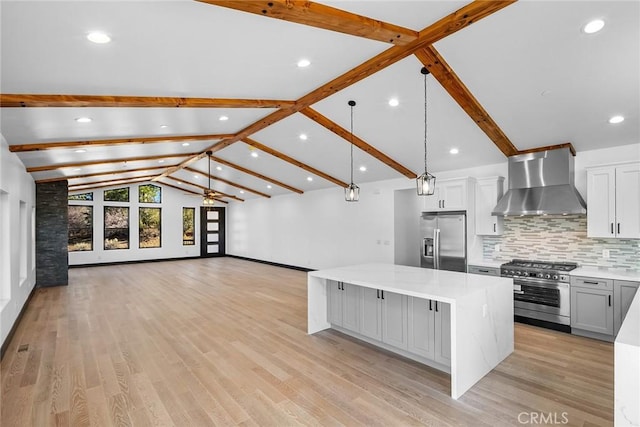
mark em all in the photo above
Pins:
pixel 541 290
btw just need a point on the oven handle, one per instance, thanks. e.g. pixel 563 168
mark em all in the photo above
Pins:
pixel 541 283
pixel 518 292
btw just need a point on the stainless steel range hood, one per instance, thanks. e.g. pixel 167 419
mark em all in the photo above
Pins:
pixel 541 183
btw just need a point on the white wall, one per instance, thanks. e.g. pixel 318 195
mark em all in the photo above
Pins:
pixel 320 230
pixel 173 201
pixel 17 242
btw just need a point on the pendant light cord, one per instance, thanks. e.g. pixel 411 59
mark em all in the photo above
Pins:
pixel 351 144
pixel 425 123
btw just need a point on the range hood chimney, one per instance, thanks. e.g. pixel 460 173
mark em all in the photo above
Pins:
pixel 541 183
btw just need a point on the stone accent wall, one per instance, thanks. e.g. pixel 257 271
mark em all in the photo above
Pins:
pixel 52 231
pixel 559 238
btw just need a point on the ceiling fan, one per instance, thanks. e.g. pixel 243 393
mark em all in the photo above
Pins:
pixel 209 194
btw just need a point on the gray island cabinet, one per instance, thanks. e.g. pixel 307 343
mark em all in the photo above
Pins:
pixel 456 322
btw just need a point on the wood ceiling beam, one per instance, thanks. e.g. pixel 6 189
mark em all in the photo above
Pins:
pixel 119 141
pixel 110 182
pixel 448 25
pixel 106 161
pixel 230 196
pixel 88 175
pixel 226 181
pixel 256 174
pixel 550 147
pixel 367 148
pixel 293 161
pixel 322 16
pixel 9 100
pixel 445 75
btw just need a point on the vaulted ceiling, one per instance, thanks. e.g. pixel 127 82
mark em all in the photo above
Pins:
pixel 505 77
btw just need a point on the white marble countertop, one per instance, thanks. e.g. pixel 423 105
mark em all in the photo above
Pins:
pixel 630 330
pixel 607 273
pixel 486 263
pixel 440 285
pixel 626 368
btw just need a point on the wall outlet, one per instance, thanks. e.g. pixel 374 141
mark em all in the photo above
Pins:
pixel 497 247
pixel 605 253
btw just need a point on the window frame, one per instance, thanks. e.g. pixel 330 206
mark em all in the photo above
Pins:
pixel 150 185
pixel 159 209
pixel 187 242
pixel 104 225
pixel 90 207
pixel 104 195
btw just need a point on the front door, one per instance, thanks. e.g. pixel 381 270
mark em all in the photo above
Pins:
pixel 212 232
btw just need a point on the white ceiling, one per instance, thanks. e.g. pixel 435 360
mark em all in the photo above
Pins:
pixel 188 49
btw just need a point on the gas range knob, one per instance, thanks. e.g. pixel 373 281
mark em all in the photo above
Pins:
pixel 539 275
pixel 555 277
pixel 512 272
pixel 518 273
pixel 525 274
pixel 547 276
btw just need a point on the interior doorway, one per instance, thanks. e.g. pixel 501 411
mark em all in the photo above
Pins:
pixel 212 233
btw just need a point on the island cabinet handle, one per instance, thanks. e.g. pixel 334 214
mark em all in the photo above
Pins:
pixel 378 293
pixel 382 293
pixel 436 306
pixel 609 300
pixel 611 228
pixel 430 307
pixel 618 228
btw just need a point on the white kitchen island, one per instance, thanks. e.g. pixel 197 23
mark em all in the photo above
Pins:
pixel 481 310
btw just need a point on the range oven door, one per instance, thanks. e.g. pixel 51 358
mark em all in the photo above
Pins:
pixel 542 296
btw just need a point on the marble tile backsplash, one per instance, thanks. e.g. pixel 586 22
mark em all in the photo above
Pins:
pixel 559 238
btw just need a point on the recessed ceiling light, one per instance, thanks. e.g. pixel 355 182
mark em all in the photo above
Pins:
pixel 223 118
pixel 363 168
pixel 219 168
pixel 454 151
pixel 164 126
pixel 196 176
pixel 98 37
pixel 394 102
pixel 77 169
pixel 185 144
pixel 303 136
pixel 84 119
pixel 254 154
pixel 81 150
pixel 593 26
pixel 241 191
pixel 616 119
pixel 160 161
pixel 268 186
pixel 304 63
pixel 309 178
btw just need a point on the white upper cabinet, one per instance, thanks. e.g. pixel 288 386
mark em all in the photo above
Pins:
pixel 488 192
pixel 449 195
pixel 613 207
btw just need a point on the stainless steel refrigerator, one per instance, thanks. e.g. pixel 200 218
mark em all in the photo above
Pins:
pixel 444 240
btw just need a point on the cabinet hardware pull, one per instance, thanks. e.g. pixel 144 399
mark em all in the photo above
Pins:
pixel 483 271
pixel 494 227
pixel 430 307
pixel 436 306
pixel 609 300
pixel 378 293
pixel 590 283
pixel 382 293
pixel 443 204
pixel 611 228
pixel 618 228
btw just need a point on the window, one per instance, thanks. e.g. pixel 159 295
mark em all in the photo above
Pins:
pixel 116 227
pixel 188 226
pixel 80 228
pixel 149 193
pixel 85 197
pixel 117 195
pixel 149 227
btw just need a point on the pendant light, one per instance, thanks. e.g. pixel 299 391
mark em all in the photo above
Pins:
pixel 352 191
pixel 426 182
pixel 209 194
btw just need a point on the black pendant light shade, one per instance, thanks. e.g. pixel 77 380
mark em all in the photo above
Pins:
pixel 209 194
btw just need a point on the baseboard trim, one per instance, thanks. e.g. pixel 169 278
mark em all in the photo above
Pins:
pixel 275 264
pixel 139 261
pixel 12 332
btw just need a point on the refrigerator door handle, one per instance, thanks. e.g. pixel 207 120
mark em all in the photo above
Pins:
pixel 436 249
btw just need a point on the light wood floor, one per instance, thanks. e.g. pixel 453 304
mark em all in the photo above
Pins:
pixel 223 342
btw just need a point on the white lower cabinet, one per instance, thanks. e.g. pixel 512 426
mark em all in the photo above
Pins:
pixel 370 314
pixel 592 306
pixel 430 329
pixel 343 308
